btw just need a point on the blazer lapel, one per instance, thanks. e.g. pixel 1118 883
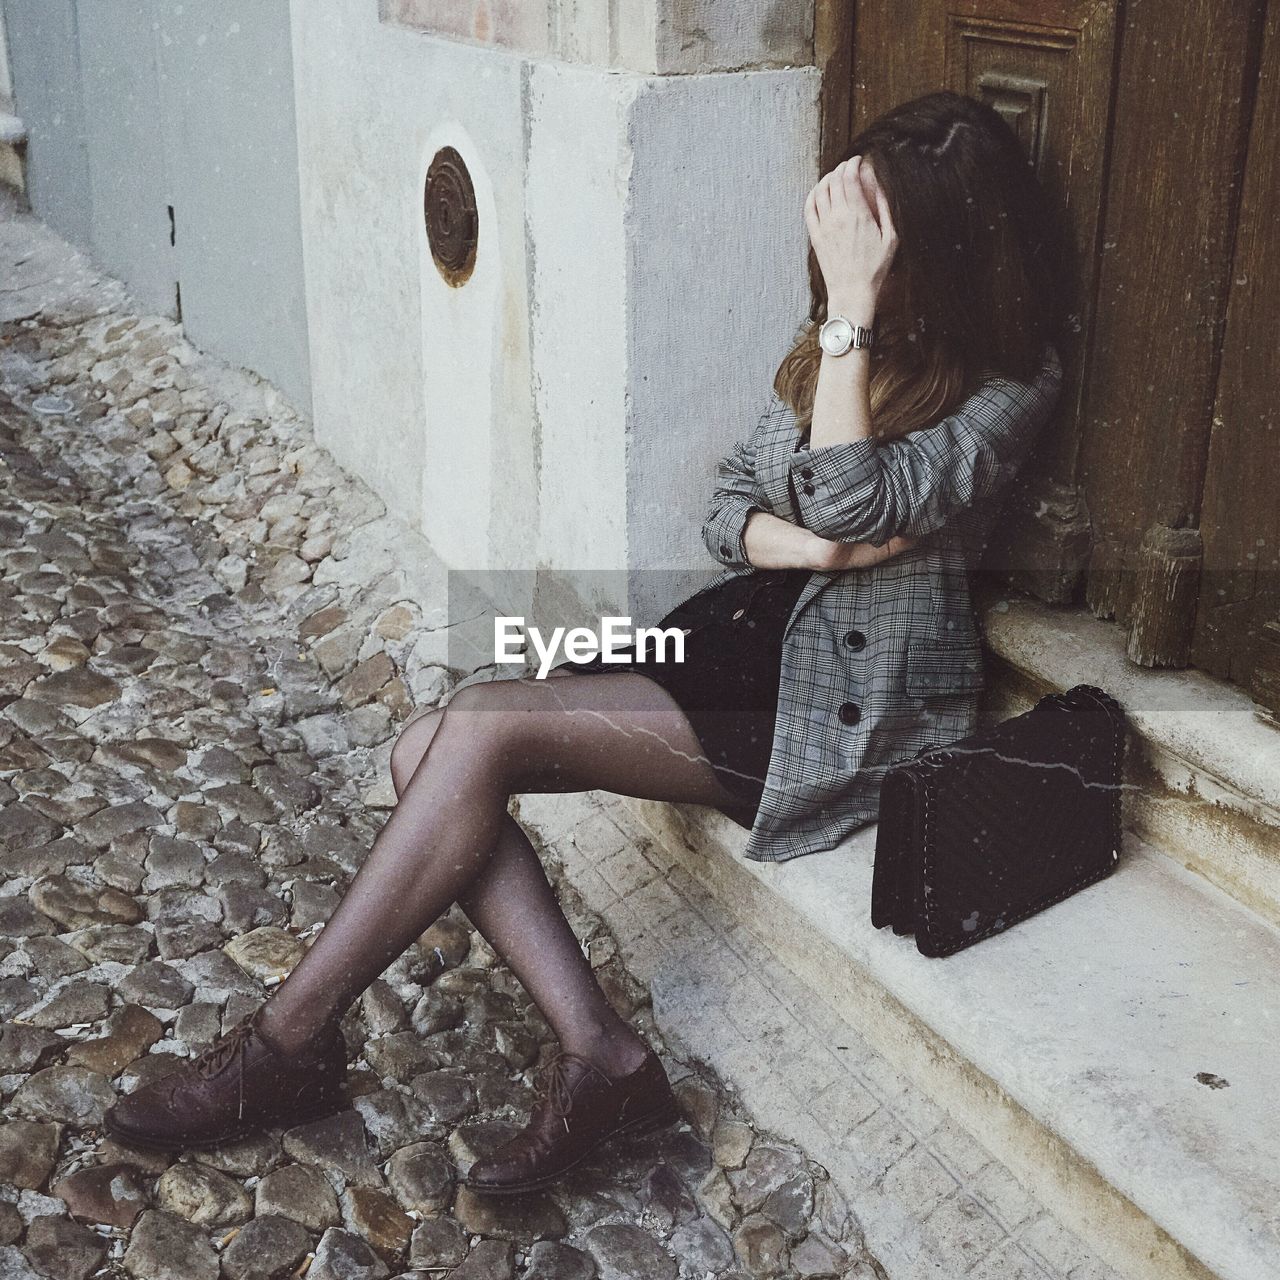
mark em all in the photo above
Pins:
pixel 817 580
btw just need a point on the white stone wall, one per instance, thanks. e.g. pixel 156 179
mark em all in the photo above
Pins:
pixel 639 273
pixel 576 224
pixel 716 286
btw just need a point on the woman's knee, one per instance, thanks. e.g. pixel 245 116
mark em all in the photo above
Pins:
pixel 475 719
pixel 488 723
pixel 411 745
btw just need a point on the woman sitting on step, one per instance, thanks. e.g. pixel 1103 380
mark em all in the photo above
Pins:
pixel 840 636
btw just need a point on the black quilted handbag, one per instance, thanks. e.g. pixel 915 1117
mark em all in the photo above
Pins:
pixel 978 834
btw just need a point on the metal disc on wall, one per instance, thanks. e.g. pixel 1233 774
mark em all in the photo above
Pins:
pixel 449 207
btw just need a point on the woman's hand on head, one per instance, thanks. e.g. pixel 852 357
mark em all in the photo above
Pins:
pixel 853 237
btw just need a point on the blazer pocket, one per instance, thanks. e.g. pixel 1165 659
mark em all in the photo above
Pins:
pixel 939 667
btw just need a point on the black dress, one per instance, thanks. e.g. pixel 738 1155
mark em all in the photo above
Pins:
pixel 727 685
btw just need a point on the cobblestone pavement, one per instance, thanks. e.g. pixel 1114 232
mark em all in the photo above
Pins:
pixel 207 642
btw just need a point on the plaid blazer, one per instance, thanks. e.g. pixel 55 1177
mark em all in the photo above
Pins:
pixel 876 662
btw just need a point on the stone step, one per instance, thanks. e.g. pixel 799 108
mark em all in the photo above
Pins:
pixel 1115 1051
pixel 1203 768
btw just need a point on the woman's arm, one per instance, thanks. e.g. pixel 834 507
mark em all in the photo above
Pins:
pixel 734 498
pixel 771 542
pixel 914 484
pixel 739 530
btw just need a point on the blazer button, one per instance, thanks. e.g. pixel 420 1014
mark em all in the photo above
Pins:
pixel 724 551
pixel 806 473
pixel 849 713
pixel 808 488
pixel 855 639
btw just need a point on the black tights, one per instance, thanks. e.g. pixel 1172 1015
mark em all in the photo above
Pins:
pixel 450 839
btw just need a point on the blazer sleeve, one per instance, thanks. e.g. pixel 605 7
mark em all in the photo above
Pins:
pixel 735 496
pixel 868 490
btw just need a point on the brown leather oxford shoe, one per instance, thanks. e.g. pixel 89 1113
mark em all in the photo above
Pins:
pixel 579 1109
pixel 236 1086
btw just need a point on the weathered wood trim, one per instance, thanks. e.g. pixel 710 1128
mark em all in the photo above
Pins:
pixel 833 43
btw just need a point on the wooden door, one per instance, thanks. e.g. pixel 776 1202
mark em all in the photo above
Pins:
pixel 1137 117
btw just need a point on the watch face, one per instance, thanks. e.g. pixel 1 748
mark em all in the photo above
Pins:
pixel 835 335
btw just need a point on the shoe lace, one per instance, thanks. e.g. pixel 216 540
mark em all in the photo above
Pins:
pixel 213 1058
pixel 553 1084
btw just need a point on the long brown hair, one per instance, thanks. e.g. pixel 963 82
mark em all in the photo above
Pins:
pixel 977 280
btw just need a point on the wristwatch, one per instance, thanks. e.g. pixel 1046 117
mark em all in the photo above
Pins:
pixel 838 335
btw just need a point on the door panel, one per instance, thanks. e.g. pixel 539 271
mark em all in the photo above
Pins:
pixel 1183 94
pixel 1237 630
pixel 1051 81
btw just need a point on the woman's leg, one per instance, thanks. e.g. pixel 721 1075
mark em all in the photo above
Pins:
pixel 512 904
pixel 618 732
